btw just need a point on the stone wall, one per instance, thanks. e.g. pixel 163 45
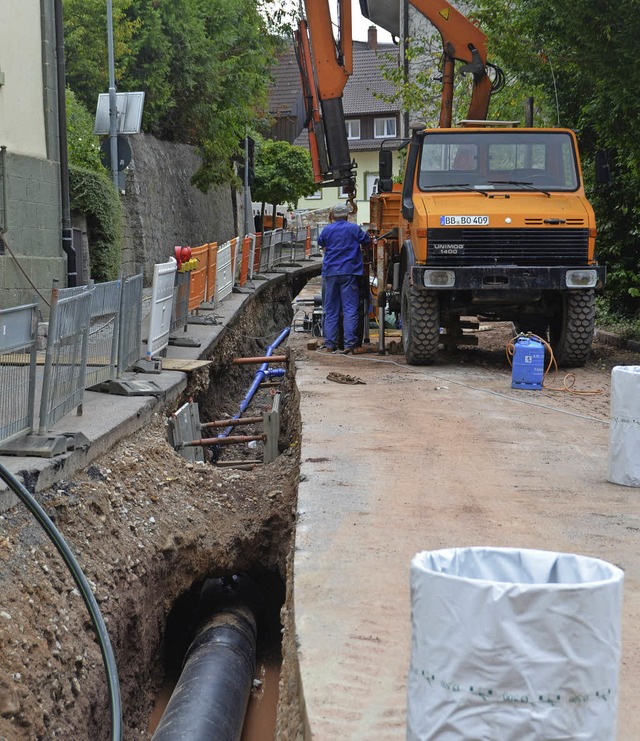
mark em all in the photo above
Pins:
pixel 30 219
pixel 162 209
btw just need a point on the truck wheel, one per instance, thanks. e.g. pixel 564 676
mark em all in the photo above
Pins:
pixel 420 324
pixel 572 333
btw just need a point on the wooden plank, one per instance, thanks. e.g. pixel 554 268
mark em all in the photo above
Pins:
pixel 184 365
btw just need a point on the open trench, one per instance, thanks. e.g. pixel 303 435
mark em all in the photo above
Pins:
pixel 152 532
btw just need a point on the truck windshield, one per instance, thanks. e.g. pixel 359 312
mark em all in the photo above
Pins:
pixel 498 160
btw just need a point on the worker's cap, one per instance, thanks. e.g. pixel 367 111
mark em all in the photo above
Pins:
pixel 340 212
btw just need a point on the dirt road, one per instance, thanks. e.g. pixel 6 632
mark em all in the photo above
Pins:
pixel 425 458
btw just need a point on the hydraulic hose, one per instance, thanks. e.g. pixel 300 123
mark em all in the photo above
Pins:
pixel 263 372
pixel 85 590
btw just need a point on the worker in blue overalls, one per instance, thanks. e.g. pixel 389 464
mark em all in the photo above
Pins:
pixel 342 270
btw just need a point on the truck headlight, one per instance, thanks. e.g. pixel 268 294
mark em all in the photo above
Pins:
pixel 439 278
pixel 582 278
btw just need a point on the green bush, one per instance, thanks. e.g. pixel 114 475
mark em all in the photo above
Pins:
pixel 93 194
pixel 82 144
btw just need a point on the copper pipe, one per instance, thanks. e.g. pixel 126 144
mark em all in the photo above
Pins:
pixel 230 440
pixel 253 361
pixel 233 422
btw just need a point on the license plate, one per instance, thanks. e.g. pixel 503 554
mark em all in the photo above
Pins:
pixel 464 220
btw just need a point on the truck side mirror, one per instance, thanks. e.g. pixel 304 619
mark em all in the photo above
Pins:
pixel 385 168
pixel 603 168
pixel 385 164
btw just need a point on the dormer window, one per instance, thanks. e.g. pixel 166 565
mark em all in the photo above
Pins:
pixel 384 128
pixel 353 128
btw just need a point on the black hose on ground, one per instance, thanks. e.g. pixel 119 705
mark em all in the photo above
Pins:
pixel 210 700
pixel 85 590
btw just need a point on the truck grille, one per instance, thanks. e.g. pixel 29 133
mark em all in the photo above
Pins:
pixel 523 247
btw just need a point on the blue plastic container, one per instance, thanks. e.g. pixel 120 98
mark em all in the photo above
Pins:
pixel 527 368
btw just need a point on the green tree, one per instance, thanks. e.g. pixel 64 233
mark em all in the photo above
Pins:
pixel 283 174
pixel 203 65
pixel 582 54
pixel 85 46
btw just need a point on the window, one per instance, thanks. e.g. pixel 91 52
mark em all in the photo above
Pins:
pixel 343 191
pixel 353 128
pixel 490 160
pixel 384 128
pixel 317 194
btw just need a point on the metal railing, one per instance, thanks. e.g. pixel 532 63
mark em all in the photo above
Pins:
pixel 18 338
pixel 102 350
pixel 65 365
pixel 95 331
pixel 130 333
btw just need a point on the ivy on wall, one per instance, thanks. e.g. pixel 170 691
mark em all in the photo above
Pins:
pixel 92 192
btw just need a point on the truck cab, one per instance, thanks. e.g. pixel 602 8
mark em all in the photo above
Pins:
pixel 495 222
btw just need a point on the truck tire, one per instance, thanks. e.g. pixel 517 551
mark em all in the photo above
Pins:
pixel 420 324
pixel 572 333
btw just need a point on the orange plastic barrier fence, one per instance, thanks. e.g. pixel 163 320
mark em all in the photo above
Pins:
pixel 198 277
pixel 256 254
pixel 211 271
pixel 307 243
pixel 244 268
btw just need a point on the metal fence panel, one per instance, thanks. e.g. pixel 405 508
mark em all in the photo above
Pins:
pixel 276 248
pixel 66 355
pixel 130 334
pixel 235 263
pixel 265 252
pixel 180 310
pixel 315 233
pixel 252 255
pixel 212 264
pixel 102 352
pixel 161 303
pixel 224 275
pixel 18 336
pixel 300 243
pixel 257 253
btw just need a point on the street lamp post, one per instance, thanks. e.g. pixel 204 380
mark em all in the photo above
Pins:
pixel 113 109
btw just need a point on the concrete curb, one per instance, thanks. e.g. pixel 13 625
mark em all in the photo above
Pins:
pixel 614 340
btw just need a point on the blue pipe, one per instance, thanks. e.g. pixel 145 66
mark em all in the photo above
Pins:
pixel 263 372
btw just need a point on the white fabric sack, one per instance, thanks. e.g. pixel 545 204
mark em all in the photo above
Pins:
pixel 624 432
pixel 513 645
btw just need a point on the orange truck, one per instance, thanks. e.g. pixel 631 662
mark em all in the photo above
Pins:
pixel 491 219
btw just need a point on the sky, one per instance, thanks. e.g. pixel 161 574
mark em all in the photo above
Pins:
pixel 360 23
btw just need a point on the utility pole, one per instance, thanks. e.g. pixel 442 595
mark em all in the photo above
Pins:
pixel 113 108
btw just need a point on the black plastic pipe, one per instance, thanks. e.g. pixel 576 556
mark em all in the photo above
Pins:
pixel 210 700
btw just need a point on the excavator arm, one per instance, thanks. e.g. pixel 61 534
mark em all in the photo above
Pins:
pixel 325 66
pixel 462 41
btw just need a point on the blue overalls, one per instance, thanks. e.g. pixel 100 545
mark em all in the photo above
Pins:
pixel 342 267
